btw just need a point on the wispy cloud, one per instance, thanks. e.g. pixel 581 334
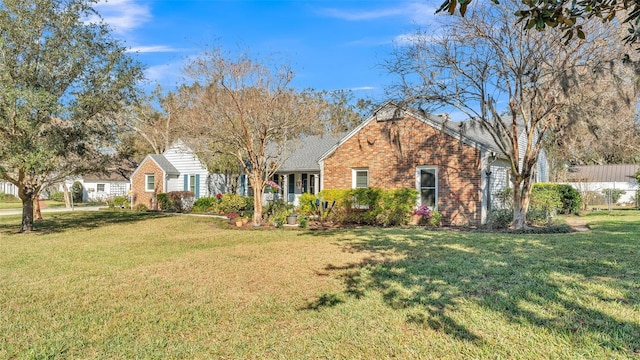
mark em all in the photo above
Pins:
pixel 413 12
pixel 123 15
pixel 153 49
pixel 363 88
pixel 165 75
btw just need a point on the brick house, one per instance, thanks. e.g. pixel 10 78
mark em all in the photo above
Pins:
pixel 455 169
pixel 150 179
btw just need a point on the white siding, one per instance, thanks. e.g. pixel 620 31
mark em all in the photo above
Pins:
pixel 187 163
pixel 629 187
pixel 8 188
pixel 111 189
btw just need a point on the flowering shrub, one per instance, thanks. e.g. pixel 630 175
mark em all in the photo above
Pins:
pixel 428 216
pixel 273 185
pixel 231 216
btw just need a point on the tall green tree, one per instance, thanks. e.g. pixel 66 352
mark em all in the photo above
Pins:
pixel 63 77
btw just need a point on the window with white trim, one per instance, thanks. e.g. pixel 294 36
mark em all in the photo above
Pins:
pixel 427 186
pixel 359 178
pixel 100 187
pixel 150 182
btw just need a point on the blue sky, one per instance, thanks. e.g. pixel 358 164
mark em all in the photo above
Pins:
pixel 330 45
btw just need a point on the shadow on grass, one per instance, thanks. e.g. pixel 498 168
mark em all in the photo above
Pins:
pixel 548 281
pixel 64 221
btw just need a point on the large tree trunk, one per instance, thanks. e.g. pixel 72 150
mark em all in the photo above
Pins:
pixel 27 211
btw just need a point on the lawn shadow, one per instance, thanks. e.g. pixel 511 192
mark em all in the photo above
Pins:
pixel 520 276
pixel 65 221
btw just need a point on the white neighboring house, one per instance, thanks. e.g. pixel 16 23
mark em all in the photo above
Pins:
pixel 100 187
pixel 8 188
pixel 597 178
pixel 177 169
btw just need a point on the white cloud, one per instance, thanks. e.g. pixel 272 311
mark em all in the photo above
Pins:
pixel 166 75
pixel 363 88
pixel 123 15
pixel 152 49
pixel 414 12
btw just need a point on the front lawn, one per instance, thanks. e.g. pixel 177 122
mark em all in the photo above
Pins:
pixel 132 285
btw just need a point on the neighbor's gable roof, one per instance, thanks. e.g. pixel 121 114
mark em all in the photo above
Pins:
pixel 470 135
pixel 164 164
pixel 603 173
pixel 112 176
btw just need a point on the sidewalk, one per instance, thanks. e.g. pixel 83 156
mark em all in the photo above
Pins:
pixel 52 210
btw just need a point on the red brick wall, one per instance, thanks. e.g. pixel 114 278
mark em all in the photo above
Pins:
pixel 392 150
pixel 140 196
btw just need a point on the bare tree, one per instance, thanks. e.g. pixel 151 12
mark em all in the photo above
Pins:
pixel 511 83
pixel 246 109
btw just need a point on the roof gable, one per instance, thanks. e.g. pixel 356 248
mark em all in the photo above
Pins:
pixel 391 112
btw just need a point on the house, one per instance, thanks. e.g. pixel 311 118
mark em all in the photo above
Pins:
pixel 177 169
pixel 8 188
pixel 596 178
pixel 100 187
pixel 455 168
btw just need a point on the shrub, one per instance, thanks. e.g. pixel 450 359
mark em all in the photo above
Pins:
pixel 306 201
pixel 76 192
pixel 181 201
pixel 570 198
pixel 371 206
pixel 395 206
pixel 140 208
pixel 277 212
pixel 120 201
pixel 57 196
pixel 500 219
pixel 163 201
pixel 232 203
pixel 545 199
pixel 205 204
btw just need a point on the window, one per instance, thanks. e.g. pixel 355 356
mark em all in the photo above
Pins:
pixel 150 182
pixel 360 178
pixel 427 185
pixel 192 184
pixel 100 187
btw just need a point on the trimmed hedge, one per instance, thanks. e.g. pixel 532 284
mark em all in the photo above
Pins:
pixel 370 206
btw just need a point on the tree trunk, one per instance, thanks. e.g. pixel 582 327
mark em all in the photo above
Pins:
pixel 27 212
pixel 67 199
pixel 256 183
pixel 521 199
pixel 38 215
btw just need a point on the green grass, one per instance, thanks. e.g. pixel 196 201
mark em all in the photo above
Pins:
pixel 132 285
pixel 17 204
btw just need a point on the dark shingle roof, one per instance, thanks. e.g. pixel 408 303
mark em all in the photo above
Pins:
pixel 112 176
pixel 164 164
pixel 308 150
pixel 603 173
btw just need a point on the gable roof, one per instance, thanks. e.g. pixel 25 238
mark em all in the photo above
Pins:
pixel 308 151
pixel 112 176
pixel 164 164
pixel 466 132
pixel 603 173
